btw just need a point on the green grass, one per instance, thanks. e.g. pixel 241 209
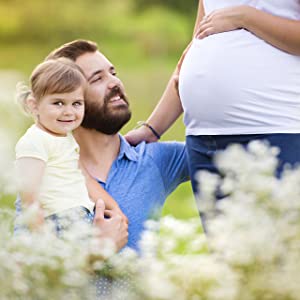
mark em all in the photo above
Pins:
pixel 7 201
pixel 181 203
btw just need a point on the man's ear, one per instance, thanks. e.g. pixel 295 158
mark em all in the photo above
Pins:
pixel 32 105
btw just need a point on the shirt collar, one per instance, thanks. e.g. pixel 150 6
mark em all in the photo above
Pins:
pixel 127 150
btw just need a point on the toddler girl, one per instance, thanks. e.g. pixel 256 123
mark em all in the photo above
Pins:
pixel 47 155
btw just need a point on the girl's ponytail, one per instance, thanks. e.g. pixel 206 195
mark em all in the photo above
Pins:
pixel 23 92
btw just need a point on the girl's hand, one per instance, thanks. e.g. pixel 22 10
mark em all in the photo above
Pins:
pixel 222 20
pixel 35 218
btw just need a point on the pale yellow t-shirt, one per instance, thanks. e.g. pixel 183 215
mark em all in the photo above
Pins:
pixel 63 184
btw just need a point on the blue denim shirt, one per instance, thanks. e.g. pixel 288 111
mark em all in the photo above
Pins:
pixel 141 178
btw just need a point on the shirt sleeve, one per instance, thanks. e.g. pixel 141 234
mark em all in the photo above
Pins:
pixel 171 159
pixel 30 146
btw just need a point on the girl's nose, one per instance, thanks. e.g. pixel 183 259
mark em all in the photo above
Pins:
pixel 68 110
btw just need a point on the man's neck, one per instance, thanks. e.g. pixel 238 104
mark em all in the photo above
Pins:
pixel 97 151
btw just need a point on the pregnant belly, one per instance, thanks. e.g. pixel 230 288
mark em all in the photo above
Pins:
pixel 235 79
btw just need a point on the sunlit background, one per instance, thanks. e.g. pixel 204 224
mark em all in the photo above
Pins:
pixel 143 39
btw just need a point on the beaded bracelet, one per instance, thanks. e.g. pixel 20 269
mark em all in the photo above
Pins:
pixel 142 123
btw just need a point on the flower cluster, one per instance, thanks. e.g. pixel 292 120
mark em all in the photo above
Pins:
pixel 7 182
pixel 252 246
pixel 37 264
pixel 177 264
pixel 251 249
pixel 257 229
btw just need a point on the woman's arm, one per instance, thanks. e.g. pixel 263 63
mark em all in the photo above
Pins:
pixel 29 185
pixel 280 32
pixel 200 15
pixel 169 107
pixel 164 115
pixel 97 192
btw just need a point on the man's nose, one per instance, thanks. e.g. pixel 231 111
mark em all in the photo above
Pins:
pixel 114 81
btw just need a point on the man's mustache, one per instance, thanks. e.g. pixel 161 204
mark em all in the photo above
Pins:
pixel 116 91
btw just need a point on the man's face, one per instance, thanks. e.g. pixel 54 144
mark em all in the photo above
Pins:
pixel 106 106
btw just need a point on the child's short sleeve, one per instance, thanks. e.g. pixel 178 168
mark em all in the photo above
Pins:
pixel 31 145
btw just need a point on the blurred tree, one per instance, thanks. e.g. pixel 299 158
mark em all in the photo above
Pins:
pixel 187 6
pixel 147 33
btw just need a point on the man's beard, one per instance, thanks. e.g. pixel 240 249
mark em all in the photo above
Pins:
pixel 106 119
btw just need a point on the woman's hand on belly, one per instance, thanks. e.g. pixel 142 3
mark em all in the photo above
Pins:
pixel 222 20
pixel 281 32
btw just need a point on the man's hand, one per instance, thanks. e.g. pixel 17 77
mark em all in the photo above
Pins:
pixel 118 211
pixel 112 227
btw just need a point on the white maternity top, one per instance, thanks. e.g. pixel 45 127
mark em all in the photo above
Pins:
pixel 236 83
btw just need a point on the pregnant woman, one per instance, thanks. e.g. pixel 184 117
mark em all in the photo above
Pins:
pixel 239 80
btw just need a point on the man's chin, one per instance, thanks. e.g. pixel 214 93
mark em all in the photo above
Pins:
pixel 117 107
pixel 119 112
pixel 109 124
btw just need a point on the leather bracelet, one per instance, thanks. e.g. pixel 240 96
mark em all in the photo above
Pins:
pixel 142 123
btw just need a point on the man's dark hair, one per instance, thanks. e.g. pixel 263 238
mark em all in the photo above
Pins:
pixel 73 50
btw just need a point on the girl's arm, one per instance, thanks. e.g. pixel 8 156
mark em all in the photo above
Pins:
pixel 169 107
pixel 280 32
pixel 97 192
pixel 30 172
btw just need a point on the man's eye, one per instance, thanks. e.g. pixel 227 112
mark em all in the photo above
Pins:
pixel 96 79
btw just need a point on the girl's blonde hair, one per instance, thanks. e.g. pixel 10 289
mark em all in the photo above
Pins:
pixel 54 76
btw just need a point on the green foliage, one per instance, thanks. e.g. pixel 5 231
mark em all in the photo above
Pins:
pixel 161 32
pixel 155 31
pixel 50 21
pixel 187 7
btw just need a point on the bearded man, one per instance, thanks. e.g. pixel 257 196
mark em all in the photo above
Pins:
pixel 139 178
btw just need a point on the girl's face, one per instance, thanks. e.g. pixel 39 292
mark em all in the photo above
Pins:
pixel 59 114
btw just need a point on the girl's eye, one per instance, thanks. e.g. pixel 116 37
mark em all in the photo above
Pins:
pixel 77 103
pixel 58 103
